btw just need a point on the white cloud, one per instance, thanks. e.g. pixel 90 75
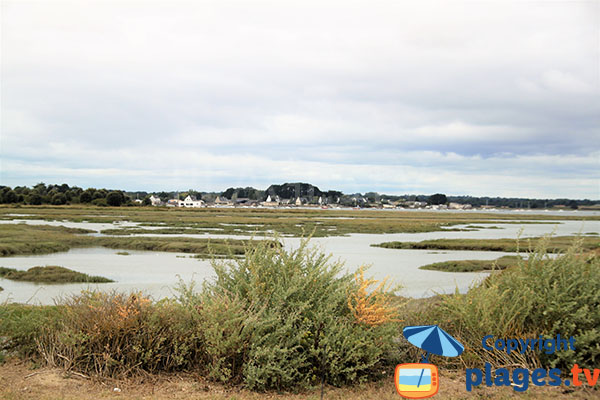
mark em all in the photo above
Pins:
pixel 564 82
pixel 402 96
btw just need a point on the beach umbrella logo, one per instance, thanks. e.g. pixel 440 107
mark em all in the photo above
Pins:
pixel 421 380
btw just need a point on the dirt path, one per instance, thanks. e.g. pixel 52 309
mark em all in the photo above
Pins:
pixel 19 381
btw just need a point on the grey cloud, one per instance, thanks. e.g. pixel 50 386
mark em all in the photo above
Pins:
pixel 462 87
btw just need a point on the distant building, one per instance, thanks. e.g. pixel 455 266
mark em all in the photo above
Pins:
pixel 271 202
pixel 155 201
pixel 173 203
pixel 192 202
pixel 222 201
pixel 414 204
pixel 457 206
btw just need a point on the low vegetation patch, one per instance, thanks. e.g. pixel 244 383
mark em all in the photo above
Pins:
pixel 257 221
pixel 482 227
pixel 473 265
pixel 50 274
pixel 555 244
pixel 206 247
pixel 16 239
pixel 39 239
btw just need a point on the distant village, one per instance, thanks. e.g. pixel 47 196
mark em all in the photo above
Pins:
pixel 296 195
pixel 219 201
pixel 290 195
pixel 286 195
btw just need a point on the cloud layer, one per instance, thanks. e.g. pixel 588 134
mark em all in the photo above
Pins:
pixel 482 98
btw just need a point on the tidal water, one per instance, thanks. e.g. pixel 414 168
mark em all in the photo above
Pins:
pixel 157 273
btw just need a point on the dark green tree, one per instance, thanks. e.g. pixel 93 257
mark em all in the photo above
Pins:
pixel 8 195
pixel 40 188
pixel 437 198
pixel 59 199
pixel 34 199
pixel 114 199
pixel 85 197
pixel 100 194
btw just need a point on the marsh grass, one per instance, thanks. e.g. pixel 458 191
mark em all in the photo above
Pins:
pixel 250 221
pixel 39 239
pixel 541 295
pixel 473 265
pixel 555 244
pixel 18 239
pixel 50 274
pixel 205 247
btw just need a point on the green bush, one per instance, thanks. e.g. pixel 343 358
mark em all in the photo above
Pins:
pixel 281 319
pixel 21 326
pixel 540 296
pixel 274 319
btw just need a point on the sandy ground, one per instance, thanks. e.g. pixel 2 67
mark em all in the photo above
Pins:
pixel 19 380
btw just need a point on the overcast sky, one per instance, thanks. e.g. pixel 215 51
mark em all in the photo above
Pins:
pixel 493 98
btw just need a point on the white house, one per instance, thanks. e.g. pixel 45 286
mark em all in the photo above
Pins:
pixel 155 200
pixel 191 201
pixel 271 202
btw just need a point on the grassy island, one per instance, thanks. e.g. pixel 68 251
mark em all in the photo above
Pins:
pixel 555 244
pixel 473 265
pixel 50 274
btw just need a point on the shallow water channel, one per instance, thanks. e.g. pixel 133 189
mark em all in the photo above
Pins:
pixel 157 273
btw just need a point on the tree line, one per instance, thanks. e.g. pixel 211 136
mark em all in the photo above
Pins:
pixel 62 194
pixel 65 194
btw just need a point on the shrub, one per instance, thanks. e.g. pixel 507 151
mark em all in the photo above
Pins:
pixel 295 323
pixel 274 319
pixel 22 324
pixel 540 296
pixel 114 335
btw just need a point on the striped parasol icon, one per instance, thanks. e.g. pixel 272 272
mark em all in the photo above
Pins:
pixel 432 339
